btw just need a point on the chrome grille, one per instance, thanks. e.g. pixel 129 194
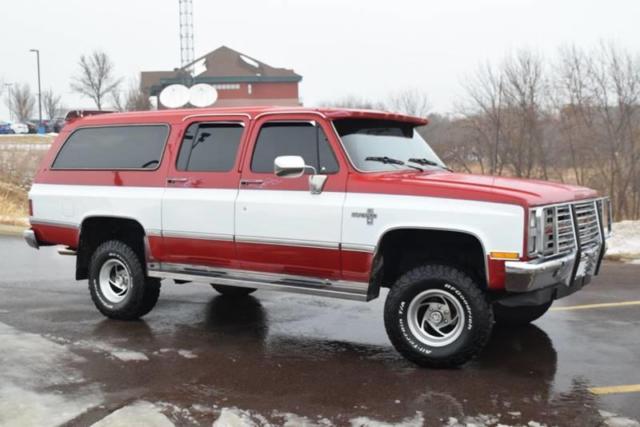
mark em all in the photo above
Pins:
pixel 557 236
pixel 588 226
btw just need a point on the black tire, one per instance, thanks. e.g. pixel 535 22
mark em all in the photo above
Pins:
pixel 520 315
pixel 142 292
pixel 233 291
pixel 474 332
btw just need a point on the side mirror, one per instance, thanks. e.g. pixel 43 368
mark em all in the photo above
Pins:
pixel 289 166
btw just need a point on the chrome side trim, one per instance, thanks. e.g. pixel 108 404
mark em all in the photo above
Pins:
pixel 354 247
pixel 196 235
pixel 266 281
pixel 288 242
pixel 53 223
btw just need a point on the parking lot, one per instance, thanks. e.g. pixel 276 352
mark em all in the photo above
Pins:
pixel 277 358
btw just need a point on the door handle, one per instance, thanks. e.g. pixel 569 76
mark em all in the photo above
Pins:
pixel 251 182
pixel 176 180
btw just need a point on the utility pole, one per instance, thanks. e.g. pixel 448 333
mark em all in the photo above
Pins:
pixel 37 52
pixel 10 95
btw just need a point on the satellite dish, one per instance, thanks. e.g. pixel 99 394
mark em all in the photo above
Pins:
pixel 174 96
pixel 202 95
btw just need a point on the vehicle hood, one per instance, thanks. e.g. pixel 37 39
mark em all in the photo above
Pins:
pixel 524 192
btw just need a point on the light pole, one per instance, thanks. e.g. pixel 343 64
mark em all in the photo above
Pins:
pixel 10 95
pixel 37 51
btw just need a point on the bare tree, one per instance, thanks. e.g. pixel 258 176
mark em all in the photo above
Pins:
pixel 96 78
pixel 21 102
pixel 134 99
pixel 51 103
pixel 409 101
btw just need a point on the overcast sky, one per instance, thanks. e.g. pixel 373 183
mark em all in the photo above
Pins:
pixel 340 47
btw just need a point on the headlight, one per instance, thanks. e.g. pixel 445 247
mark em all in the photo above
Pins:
pixel 535 219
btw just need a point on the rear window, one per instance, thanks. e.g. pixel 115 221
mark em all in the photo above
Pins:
pixel 114 147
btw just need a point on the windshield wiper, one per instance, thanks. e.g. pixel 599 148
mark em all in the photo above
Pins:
pixel 428 162
pixel 390 161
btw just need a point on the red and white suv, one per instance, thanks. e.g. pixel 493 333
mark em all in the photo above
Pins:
pixel 327 202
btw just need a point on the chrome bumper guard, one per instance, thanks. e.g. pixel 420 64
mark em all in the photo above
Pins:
pixel 530 276
pixel 31 239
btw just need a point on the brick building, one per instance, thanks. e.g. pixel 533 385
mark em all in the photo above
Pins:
pixel 238 78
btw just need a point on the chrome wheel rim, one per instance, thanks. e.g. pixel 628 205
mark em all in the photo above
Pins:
pixel 115 280
pixel 436 317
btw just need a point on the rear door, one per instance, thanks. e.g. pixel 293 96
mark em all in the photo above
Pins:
pixel 201 189
pixel 281 227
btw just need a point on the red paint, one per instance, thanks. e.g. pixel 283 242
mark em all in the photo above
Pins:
pixel 219 253
pixel 56 234
pixel 523 192
pixel 497 274
pixel 356 266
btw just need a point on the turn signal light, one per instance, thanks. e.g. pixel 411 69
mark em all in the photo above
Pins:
pixel 504 255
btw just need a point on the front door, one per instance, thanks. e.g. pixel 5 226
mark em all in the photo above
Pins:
pixel 281 227
pixel 202 186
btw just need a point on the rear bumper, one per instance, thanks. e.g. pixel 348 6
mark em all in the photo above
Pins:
pixel 31 239
pixel 565 271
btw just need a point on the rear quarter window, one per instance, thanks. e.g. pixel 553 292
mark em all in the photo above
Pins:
pixel 113 147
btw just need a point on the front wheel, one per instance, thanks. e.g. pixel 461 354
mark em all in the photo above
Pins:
pixel 118 285
pixel 519 315
pixel 437 316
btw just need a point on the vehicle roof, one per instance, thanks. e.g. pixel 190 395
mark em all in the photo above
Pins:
pixel 177 115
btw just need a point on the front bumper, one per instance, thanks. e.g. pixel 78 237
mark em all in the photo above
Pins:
pixel 577 267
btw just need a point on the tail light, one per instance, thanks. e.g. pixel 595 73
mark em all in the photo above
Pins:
pixel 30 208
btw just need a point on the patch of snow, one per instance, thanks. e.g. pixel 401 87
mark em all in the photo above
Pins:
pixel 625 242
pixel 615 420
pixel 416 421
pixel 129 356
pixel 187 354
pixel 250 61
pixel 293 420
pixel 29 364
pixel 233 417
pixel 139 414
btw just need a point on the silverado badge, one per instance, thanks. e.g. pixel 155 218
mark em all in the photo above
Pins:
pixel 370 215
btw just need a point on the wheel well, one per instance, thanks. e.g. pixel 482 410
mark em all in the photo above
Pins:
pixel 97 230
pixel 403 249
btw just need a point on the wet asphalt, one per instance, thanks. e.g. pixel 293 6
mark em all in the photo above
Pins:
pixel 319 358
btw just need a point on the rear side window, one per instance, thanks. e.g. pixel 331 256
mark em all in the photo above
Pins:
pixel 113 147
pixel 293 139
pixel 210 147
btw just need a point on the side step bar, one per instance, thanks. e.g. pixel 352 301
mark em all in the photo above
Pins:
pixel 356 291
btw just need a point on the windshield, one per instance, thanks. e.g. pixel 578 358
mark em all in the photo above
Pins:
pixel 369 141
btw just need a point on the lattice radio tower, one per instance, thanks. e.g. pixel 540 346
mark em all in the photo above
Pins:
pixel 186 32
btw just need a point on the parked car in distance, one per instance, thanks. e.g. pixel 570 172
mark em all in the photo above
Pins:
pixel 5 128
pixel 20 128
pixel 325 202
pixel 56 124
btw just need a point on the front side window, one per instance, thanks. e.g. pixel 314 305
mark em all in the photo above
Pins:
pixel 210 147
pixel 113 147
pixel 383 145
pixel 293 139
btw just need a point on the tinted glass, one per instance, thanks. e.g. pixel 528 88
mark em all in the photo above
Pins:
pixel 368 140
pixel 114 147
pixel 210 147
pixel 293 139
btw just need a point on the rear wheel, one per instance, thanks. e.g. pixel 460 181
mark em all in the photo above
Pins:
pixel 519 315
pixel 436 316
pixel 117 283
pixel 233 291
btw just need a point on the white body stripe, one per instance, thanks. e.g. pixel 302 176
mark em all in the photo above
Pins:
pixel 73 203
pixel 299 217
pixel 199 212
pixel 290 215
pixel 499 227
